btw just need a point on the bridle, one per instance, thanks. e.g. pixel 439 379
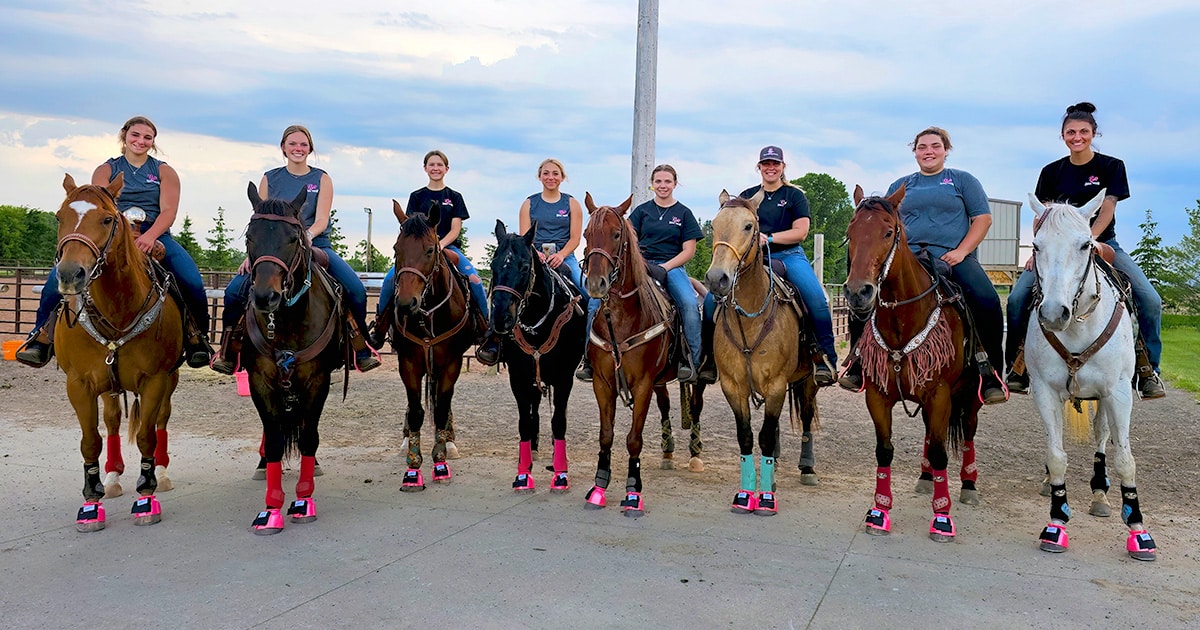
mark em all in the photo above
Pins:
pixel 101 253
pixel 618 272
pixel 427 281
pixel 744 260
pixel 303 256
pixel 523 299
pixel 887 207
pixel 1089 268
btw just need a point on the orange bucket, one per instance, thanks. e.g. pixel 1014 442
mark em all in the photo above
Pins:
pixel 243 383
pixel 10 349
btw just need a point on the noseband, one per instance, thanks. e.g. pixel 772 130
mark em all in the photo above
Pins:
pixel 1090 268
pixel 427 280
pixel 618 272
pixel 303 255
pixel 886 206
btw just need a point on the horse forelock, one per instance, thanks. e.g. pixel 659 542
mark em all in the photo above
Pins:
pixel 417 225
pixel 276 207
pixel 1063 218
pixel 89 198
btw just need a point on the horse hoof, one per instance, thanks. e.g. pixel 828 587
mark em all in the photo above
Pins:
pixel 268 521
pixel 924 486
pixel 941 528
pixel 696 464
pixel 261 474
pixel 413 481
pixel 441 473
pixel 1140 546
pixel 560 482
pixel 1053 538
pixel 317 472
pixel 969 497
pixel 632 505
pixel 744 502
pixel 809 479
pixel 112 485
pixel 1045 491
pixel 146 511
pixel 766 504
pixel 523 483
pixel 1100 509
pixel 534 454
pixel 594 499
pixel 878 522
pixel 90 517
pixel 164 482
pixel 452 451
pixel 667 462
pixel 302 511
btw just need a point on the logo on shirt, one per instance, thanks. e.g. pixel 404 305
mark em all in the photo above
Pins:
pixel 152 179
pixel 447 202
pixel 1092 181
pixel 946 181
pixel 675 221
pixel 562 213
pixel 312 188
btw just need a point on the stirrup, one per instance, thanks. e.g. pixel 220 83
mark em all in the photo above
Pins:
pixel 34 352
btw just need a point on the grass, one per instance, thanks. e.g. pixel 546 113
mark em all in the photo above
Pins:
pixel 1181 357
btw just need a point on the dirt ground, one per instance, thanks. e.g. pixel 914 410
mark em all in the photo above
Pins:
pixel 1010 442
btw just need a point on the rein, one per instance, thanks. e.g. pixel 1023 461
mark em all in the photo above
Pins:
pixel 303 255
pixel 518 333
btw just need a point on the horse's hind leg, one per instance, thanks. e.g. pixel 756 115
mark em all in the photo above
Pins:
pixel 162 457
pixel 560 482
pixel 451 447
pixel 1099 483
pixel 925 481
pixel 806 390
pixel 114 462
pixel 969 472
pixel 668 436
pixel 691 404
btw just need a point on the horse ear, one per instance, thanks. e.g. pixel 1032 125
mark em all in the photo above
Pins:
pixel 398 211
pixel 858 194
pixel 69 183
pixel 252 193
pixel 757 200
pixel 723 198
pixel 500 231
pixel 114 187
pixel 530 233
pixel 434 210
pixel 298 202
pixel 896 197
pixel 624 207
pixel 1037 206
pixel 588 203
pixel 1092 208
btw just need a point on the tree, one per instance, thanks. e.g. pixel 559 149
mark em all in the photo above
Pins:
pixel 187 240
pixel 379 261
pixel 12 233
pixel 220 253
pixel 698 265
pixel 1180 288
pixel 462 238
pixel 831 210
pixel 27 236
pixel 1149 252
pixel 337 240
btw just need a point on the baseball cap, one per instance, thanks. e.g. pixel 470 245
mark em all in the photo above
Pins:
pixel 770 153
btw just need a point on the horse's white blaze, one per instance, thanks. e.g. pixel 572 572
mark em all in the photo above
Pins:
pixel 81 208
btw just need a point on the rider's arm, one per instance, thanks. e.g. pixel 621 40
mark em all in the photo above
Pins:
pixel 791 236
pixel 682 258
pixel 1107 210
pixel 324 205
pixel 452 235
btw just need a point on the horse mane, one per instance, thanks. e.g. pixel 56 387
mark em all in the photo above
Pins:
pixel 417 225
pixel 1063 217
pixel 654 302
pixel 277 207
pixel 123 249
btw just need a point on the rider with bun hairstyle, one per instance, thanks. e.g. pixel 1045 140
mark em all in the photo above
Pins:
pixel 1076 179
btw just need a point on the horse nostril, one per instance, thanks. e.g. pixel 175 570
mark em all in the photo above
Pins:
pixel 1066 313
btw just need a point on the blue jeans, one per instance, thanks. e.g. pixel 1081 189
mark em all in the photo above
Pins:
pixel 801 274
pixel 177 261
pixel 680 288
pixel 387 291
pixel 353 291
pixel 1145 298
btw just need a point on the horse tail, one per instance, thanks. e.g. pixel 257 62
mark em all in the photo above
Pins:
pixel 135 419
pixel 1077 417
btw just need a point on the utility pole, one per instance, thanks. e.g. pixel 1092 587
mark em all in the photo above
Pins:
pixel 369 255
pixel 645 97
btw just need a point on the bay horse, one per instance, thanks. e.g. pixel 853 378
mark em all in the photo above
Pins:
pixel 914 350
pixel 1073 356
pixel 629 342
pixel 759 352
pixel 296 330
pixel 539 315
pixel 120 332
pixel 430 331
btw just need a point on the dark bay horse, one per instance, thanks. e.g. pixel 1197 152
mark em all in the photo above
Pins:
pixel 759 351
pixel 539 313
pixel 630 341
pixel 295 327
pixel 913 350
pixel 120 333
pixel 431 330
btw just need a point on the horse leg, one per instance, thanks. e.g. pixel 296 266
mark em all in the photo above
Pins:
pixel 691 405
pixel 1099 483
pixel 937 421
pixel 633 505
pixel 91 517
pixel 925 481
pixel 606 400
pixel 1054 536
pixel 768 445
pixel 878 521
pixel 807 391
pixel 1116 409
pixel 114 464
pixel 668 436
pixel 744 500
pixel 441 420
pixel 969 471
pixel 451 447
pixel 523 390
pixel 414 417
pixel 260 471
pixel 558 428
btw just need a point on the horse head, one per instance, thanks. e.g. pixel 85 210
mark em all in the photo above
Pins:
pixel 610 248
pixel 279 251
pixel 1062 247
pixel 735 242
pixel 512 276
pixel 874 235
pixel 90 229
pixel 418 257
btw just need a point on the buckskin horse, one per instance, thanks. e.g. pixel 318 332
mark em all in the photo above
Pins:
pixel 629 343
pixel 430 331
pixel 537 312
pixel 760 354
pixel 913 350
pixel 120 333
pixel 1073 356
pixel 296 332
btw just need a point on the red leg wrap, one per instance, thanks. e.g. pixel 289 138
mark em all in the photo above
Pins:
pixel 925 467
pixel 525 459
pixel 560 456
pixel 941 493
pixel 161 458
pixel 969 471
pixel 304 486
pixel 114 461
pixel 883 488
pixel 275 496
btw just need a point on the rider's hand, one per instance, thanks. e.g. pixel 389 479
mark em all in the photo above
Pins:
pixel 145 243
pixel 1029 264
pixel 244 268
pixel 554 260
pixel 953 257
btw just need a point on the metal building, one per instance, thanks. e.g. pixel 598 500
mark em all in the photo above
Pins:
pixel 999 253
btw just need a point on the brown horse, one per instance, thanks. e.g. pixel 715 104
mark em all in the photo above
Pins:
pixel 119 333
pixel 913 350
pixel 630 341
pixel 432 329
pixel 758 349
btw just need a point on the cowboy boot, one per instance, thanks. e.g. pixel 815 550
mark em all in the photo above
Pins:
pixel 38 349
pixel 1018 379
pixel 488 350
pixel 707 373
pixel 378 334
pixel 196 350
pixel 1149 385
pixel 231 348
pixel 991 390
pixel 852 379
pixel 584 373
pixel 364 359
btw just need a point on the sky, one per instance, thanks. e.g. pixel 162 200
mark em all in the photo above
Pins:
pixel 841 86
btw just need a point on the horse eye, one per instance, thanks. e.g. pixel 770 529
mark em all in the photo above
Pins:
pixel 888 234
pixel 429 252
pixel 1085 246
pixel 1035 247
pixel 108 220
pixel 748 227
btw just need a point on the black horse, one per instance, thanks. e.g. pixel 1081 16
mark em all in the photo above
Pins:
pixel 295 326
pixel 542 318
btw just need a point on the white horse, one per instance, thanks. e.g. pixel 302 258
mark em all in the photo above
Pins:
pixel 1083 349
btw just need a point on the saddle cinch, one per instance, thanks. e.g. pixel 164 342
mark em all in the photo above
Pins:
pixel 679 352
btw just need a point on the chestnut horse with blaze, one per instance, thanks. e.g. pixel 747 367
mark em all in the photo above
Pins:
pixel 913 350
pixel 120 332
